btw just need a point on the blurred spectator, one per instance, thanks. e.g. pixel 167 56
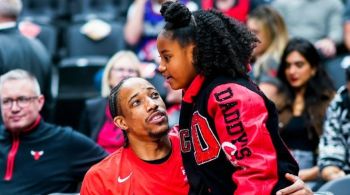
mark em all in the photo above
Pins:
pixel 318 21
pixel 17 51
pixel 257 3
pixel 304 96
pixel 37 157
pixel 342 60
pixel 96 118
pixel 334 147
pixel 347 25
pixel 173 99
pixel 269 27
pixel 237 9
pixel 143 24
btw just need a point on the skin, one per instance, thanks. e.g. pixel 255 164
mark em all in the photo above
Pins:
pixel 298 187
pixel 121 70
pixel 347 35
pixel 225 4
pixel 134 25
pixel 270 90
pixel 17 119
pixel 143 117
pixel 332 172
pixel 173 96
pixel 257 28
pixel 176 64
pixel 298 71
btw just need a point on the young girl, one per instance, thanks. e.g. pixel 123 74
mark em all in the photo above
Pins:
pixel 228 128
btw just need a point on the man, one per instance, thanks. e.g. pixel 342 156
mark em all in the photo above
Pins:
pixel 150 162
pixel 17 51
pixel 37 157
pixel 334 158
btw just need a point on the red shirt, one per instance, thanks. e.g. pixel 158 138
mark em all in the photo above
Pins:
pixel 238 11
pixel 123 172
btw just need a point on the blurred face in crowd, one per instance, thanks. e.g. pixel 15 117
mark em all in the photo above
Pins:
pixel 256 27
pixel 176 62
pixel 20 104
pixel 142 111
pixel 123 68
pixel 225 4
pixel 298 70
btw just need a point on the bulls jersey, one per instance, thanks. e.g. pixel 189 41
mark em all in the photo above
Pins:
pixel 229 139
pixel 123 173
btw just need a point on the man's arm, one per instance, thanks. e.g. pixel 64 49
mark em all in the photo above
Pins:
pixel 134 24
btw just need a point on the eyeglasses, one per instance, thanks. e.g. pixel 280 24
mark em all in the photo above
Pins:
pixel 21 101
pixel 128 70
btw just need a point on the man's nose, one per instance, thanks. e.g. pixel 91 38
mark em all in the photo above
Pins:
pixel 151 104
pixel 15 106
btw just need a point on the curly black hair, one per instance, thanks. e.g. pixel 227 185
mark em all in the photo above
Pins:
pixel 223 46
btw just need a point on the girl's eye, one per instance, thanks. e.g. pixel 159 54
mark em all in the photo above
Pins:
pixel 167 58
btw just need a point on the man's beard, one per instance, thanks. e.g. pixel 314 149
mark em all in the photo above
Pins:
pixel 159 134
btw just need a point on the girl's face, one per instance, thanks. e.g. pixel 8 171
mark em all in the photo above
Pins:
pixel 123 68
pixel 298 70
pixel 176 64
pixel 256 27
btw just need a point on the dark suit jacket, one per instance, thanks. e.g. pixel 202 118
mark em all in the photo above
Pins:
pixel 18 51
pixel 93 117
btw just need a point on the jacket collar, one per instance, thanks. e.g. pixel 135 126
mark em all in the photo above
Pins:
pixel 192 91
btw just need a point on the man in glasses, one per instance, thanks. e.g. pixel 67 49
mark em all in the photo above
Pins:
pixel 37 157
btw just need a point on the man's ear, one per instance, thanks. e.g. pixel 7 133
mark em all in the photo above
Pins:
pixel 120 122
pixel 41 101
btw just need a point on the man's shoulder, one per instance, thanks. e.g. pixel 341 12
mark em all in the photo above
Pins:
pixel 63 132
pixel 111 160
pixel 109 165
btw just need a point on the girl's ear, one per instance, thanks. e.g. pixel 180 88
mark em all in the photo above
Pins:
pixel 190 51
pixel 119 121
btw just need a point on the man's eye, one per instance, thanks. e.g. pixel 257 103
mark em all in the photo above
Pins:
pixel 6 101
pixel 135 103
pixel 155 95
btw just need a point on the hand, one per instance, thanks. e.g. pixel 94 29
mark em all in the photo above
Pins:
pixel 297 188
pixel 327 47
